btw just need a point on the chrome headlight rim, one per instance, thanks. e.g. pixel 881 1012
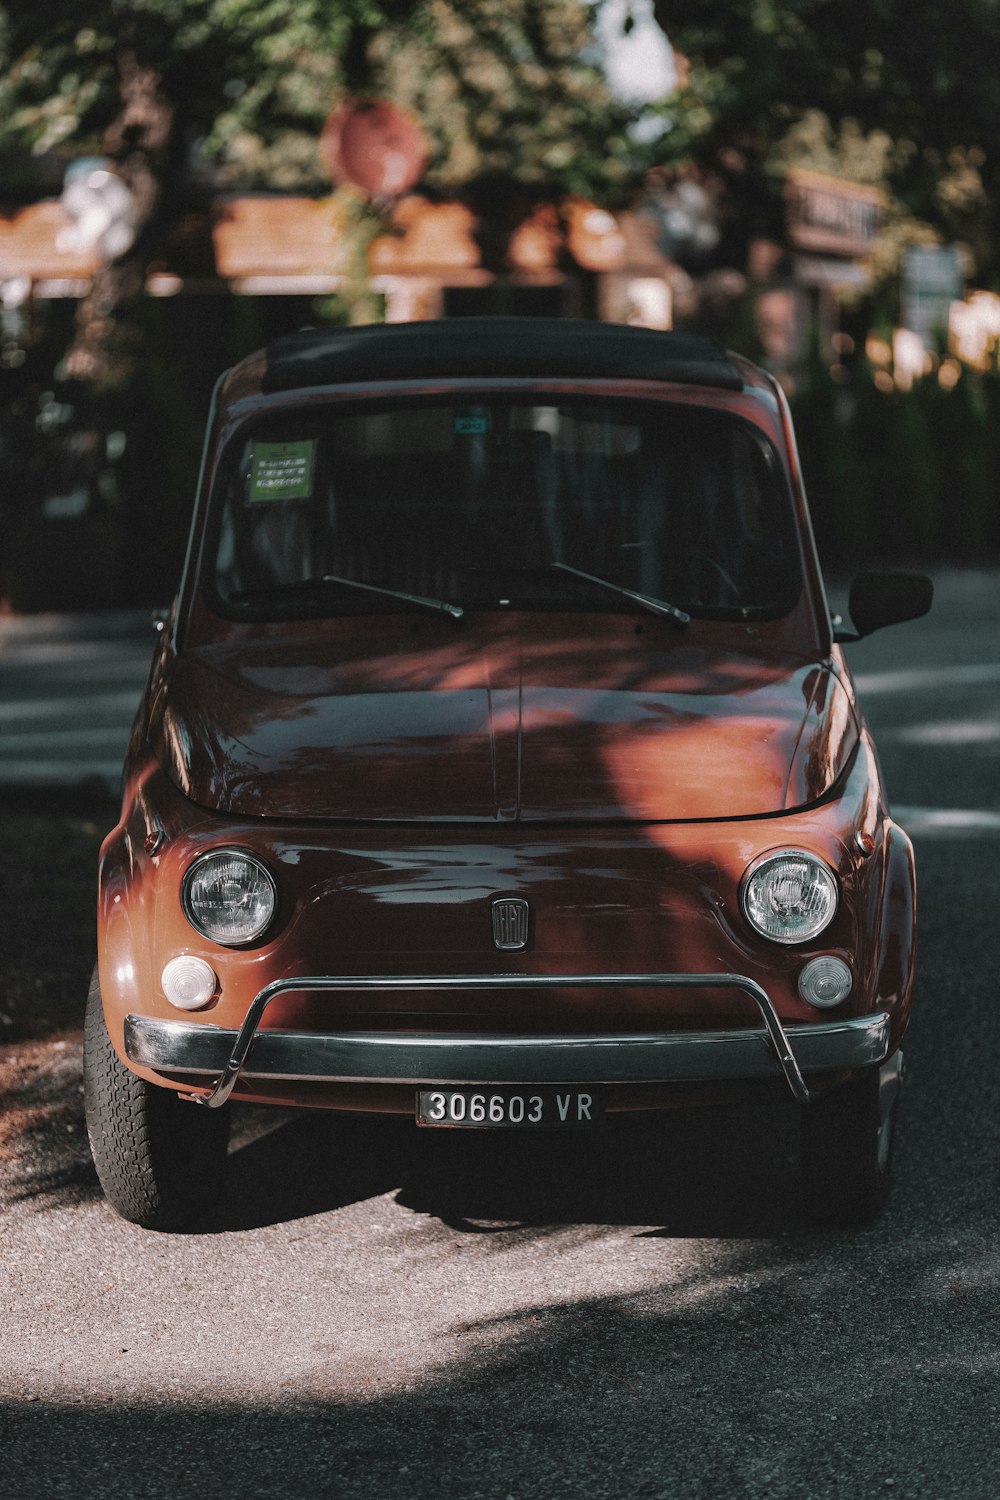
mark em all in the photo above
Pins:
pixel 229 851
pixel 772 856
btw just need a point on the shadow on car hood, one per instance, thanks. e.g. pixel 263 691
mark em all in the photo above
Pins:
pixel 581 721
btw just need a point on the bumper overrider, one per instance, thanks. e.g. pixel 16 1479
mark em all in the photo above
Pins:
pixel 226 1055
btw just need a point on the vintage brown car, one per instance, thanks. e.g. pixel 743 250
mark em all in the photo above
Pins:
pixel 499 766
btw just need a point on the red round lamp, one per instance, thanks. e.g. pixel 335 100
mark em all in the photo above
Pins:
pixel 376 146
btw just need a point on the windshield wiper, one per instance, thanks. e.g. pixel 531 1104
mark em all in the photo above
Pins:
pixel 657 606
pixel 440 606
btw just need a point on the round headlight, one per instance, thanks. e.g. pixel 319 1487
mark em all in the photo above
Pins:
pixel 229 897
pixel 790 897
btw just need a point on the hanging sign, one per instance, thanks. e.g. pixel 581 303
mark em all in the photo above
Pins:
pixel 376 146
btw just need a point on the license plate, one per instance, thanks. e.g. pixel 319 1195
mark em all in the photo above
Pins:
pixel 508 1108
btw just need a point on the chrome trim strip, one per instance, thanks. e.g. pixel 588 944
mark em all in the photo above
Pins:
pixel 192 1047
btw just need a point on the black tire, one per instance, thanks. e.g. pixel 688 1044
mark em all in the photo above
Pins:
pixel 846 1147
pixel 160 1159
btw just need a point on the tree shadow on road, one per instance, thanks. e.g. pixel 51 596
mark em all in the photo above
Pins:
pixel 44 1155
pixel 48 893
pixel 742 1376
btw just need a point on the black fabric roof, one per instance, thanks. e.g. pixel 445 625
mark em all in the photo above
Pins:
pixel 528 347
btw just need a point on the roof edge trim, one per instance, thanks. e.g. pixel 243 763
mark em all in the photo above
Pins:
pixel 470 347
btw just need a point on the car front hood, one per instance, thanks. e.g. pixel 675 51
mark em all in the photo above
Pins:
pixel 517 724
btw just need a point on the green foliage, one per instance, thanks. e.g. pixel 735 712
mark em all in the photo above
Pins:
pixel 505 86
pixel 358 223
pixel 913 76
pixel 252 79
pixel 500 85
pixel 921 70
pixel 191 96
pixel 902 477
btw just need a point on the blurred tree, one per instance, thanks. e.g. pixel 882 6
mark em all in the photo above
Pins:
pixel 513 88
pixel 919 74
pixel 176 100
pixel 158 88
pixel 182 95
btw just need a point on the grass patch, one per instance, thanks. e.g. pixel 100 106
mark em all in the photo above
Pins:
pixel 48 890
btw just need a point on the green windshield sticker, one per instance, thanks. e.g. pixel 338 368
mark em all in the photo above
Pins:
pixel 471 424
pixel 282 471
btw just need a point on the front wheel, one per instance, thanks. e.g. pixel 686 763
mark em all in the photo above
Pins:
pixel 160 1159
pixel 846 1145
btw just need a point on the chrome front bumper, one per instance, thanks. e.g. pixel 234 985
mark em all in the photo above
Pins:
pixel 188 1047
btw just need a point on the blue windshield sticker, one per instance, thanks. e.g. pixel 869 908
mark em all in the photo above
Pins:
pixel 472 424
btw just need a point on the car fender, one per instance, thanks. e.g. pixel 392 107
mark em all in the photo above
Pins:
pixel 118 968
pixel 897 930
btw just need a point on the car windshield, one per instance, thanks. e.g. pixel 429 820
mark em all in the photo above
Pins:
pixel 491 502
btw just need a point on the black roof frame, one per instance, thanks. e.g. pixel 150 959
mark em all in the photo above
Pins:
pixel 543 348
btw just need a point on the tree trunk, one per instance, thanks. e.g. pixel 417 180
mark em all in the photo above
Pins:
pixel 142 147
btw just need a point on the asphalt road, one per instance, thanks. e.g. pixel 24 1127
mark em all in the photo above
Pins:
pixel 69 686
pixel 382 1313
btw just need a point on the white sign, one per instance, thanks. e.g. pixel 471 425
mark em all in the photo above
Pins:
pixel 932 281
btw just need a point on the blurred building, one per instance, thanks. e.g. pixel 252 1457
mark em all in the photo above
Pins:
pixel 438 260
pixel 800 282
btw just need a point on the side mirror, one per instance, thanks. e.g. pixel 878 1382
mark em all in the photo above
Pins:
pixel 879 599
